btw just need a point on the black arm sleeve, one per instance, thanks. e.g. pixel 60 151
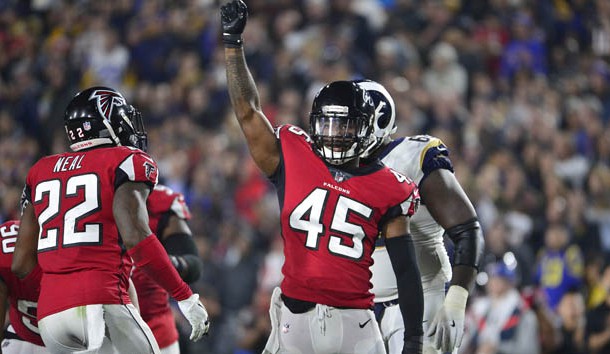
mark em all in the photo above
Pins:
pixel 469 243
pixel 410 293
pixel 183 251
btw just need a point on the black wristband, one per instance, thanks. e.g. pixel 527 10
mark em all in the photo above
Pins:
pixel 232 40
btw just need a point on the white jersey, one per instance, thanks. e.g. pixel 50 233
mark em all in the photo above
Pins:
pixel 415 157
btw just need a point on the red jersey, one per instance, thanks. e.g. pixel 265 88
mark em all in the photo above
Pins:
pixel 330 219
pixel 153 299
pixel 22 293
pixel 79 247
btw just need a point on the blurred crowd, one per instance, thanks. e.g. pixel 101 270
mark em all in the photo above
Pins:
pixel 518 90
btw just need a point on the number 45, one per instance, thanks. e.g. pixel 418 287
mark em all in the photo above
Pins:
pixel 307 217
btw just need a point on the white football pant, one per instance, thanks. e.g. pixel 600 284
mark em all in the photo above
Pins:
pixel 322 330
pixel 435 270
pixel 82 329
pixel 173 348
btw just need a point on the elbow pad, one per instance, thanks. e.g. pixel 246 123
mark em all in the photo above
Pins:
pixel 184 256
pixel 469 243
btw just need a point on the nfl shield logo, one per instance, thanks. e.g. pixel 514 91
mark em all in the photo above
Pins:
pixel 339 176
pixel 87 126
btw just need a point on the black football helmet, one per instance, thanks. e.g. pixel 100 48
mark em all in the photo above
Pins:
pixel 100 116
pixel 384 123
pixel 341 121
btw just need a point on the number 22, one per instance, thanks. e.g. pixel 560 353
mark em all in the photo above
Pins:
pixel 71 237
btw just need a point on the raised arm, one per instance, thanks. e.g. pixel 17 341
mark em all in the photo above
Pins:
pixel 450 207
pixel 242 90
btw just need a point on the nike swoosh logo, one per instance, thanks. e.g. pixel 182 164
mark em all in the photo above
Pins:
pixel 361 325
pixel 452 323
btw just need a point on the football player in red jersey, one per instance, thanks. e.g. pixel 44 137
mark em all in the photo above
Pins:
pixel 168 215
pixel 332 211
pixel 84 220
pixel 21 295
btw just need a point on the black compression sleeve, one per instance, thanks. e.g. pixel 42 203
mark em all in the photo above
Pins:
pixel 469 243
pixel 185 257
pixel 410 293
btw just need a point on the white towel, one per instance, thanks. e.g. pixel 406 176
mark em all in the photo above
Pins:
pixel 273 343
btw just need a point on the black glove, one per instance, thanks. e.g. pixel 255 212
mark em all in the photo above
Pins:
pixel 233 17
pixel 413 345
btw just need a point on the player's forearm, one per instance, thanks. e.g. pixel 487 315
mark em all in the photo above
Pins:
pixel 463 276
pixel 410 292
pixel 151 257
pixel 23 265
pixel 24 260
pixel 450 207
pixel 469 244
pixel 25 256
pixel 240 84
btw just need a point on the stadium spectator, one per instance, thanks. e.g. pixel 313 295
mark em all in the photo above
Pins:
pixel 501 321
pixel 597 332
pixel 571 311
pixel 560 265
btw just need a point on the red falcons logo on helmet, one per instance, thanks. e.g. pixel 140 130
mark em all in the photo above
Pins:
pixel 106 100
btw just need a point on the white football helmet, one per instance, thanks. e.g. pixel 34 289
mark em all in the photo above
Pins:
pixel 384 123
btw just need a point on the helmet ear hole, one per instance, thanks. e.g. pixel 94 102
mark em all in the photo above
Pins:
pixel 383 122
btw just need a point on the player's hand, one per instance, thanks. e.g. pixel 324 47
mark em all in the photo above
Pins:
pixel 447 327
pixel 233 16
pixel 197 316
